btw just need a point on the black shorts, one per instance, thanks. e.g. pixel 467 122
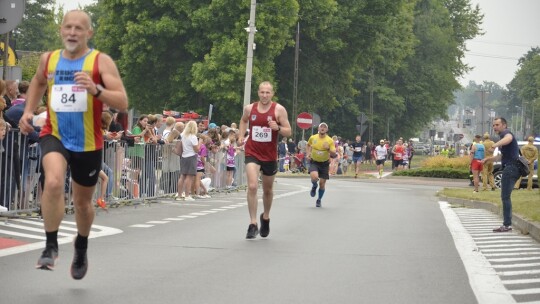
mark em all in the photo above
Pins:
pixel 268 168
pixel 200 171
pixel 231 168
pixel 379 162
pixel 323 168
pixel 398 162
pixel 84 166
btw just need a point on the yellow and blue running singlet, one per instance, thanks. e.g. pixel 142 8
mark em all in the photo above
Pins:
pixel 74 115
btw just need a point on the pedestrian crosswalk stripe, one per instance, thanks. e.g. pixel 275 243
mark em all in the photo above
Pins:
pixel 24 235
pixel 486 285
pixel 31 229
pixel 64 238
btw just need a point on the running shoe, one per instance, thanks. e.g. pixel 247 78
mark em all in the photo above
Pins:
pixel 318 203
pixel 252 231
pixel 79 266
pixel 101 203
pixel 48 258
pixel 265 226
pixel 503 229
pixel 313 190
pixel 189 198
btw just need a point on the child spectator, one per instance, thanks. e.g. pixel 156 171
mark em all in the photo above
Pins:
pixel 230 150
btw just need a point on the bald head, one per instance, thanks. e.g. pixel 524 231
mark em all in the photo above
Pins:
pixel 80 15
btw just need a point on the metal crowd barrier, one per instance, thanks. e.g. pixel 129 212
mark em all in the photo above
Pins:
pixel 136 173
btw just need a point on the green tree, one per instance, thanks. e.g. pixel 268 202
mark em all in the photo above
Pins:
pixel 193 52
pixel 428 80
pixel 185 55
pixel 524 89
pixel 39 29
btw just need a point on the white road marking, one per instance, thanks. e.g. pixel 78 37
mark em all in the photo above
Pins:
pixel 26 228
pixel 485 283
pixel 157 222
pixel 519 272
pixel 25 235
pixel 198 213
pixel 503 260
pixel 141 226
pixel 509 250
pixel 521 281
pixel 521 244
pixel 516 265
pixel 174 219
pixel 97 231
pixel 187 216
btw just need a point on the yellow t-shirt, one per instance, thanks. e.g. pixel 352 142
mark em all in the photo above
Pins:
pixel 319 152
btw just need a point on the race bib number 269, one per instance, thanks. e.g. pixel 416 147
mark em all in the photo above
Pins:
pixel 262 134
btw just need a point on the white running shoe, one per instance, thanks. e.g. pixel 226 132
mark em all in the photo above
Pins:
pixel 189 198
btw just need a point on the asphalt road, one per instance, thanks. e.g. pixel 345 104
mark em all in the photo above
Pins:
pixel 377 241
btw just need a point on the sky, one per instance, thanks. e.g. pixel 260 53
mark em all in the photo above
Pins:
pixel 511 29
pixel 70 5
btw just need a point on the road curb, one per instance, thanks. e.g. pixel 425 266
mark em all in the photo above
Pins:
pixel 518 222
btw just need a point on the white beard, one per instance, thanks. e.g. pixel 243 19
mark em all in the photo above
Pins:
pixel 70 47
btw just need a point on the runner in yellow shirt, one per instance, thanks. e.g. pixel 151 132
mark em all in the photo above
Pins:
pixel 320 148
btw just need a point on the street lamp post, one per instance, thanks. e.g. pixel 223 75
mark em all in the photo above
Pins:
pixel 249 61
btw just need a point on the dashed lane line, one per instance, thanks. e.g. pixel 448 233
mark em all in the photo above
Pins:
pixel 141 226
pixel 211 211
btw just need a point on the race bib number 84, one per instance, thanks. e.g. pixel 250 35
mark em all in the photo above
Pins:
pixel 262 134
pixel 69 98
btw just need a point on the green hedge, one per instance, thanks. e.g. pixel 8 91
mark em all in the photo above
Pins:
pixel 435 172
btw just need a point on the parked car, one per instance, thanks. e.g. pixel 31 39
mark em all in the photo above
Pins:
pixel 497 170
pixel 420 150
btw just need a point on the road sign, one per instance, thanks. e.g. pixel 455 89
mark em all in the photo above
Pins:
pixel 361 129
pixel 362 118
pixel 304 120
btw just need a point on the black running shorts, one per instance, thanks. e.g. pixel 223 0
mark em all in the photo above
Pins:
pixel 84 166
pixel 323 168
pixel 268 168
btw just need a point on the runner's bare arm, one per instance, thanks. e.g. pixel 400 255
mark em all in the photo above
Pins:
pixel 244 121
pixel 114 94
pixel 36 90
pixel 283 121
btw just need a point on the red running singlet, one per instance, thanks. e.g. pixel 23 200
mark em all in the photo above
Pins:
pixel 262 140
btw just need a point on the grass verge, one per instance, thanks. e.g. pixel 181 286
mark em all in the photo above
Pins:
pixel 525 203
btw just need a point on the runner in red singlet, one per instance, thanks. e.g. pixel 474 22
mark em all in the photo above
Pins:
pixel 265 119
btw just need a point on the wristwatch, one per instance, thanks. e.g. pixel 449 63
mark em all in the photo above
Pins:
pixel 99 89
